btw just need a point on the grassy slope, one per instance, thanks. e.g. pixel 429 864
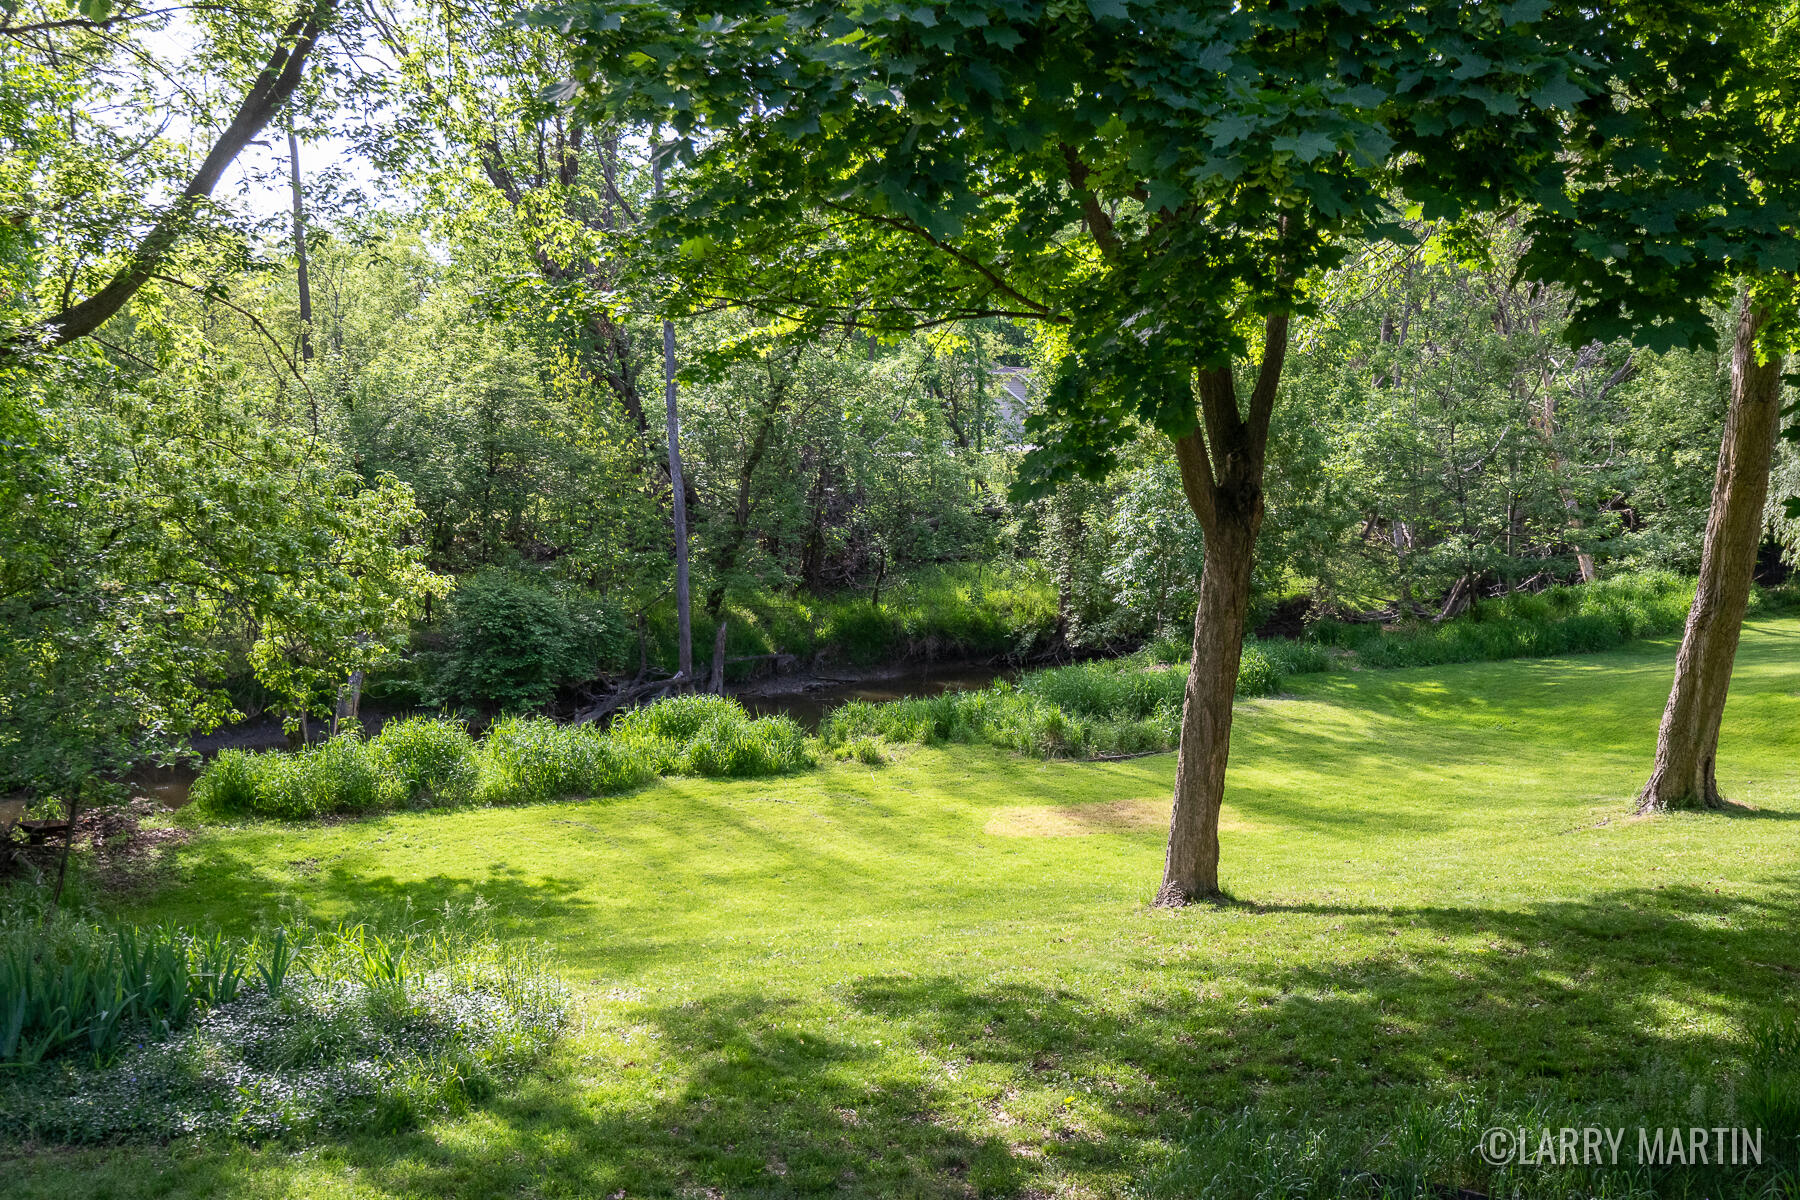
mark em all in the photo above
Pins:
pixel 862 980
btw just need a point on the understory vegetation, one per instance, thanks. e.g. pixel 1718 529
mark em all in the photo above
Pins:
pixel 122 1032
pixel 493 409
pixel 423 762
pixel 1132 704
pixel 1103 708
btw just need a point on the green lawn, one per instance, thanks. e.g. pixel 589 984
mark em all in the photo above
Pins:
pixel 940 977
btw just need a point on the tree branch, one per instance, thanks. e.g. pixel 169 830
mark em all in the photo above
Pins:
pixel 271 90
pixel 1099 221
pixel 1268 378
pixel 968 260
pixel 1197 477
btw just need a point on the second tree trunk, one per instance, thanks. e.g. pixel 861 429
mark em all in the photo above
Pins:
pixel 1687 745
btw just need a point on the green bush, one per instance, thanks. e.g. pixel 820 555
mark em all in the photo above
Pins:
pixel 430 762
pixel 527 759
pixel 513 640
pixel 359 1030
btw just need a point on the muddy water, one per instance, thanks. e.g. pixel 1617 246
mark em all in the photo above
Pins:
pixel 809 706
pixel 168 786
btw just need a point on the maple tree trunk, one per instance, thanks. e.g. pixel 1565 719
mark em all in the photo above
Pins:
pixel 1221 464
pixel 1191 867
pixel 1687 744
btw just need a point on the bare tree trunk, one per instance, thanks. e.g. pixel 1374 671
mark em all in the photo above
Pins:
pixel 1688 743
pixel 62 864
pixel 300 276
pixel 684 626
pixel 684 621
pixel 349 702
pixel 1191 867
pixel 716 684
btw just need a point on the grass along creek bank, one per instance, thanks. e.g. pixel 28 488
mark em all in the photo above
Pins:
pixel 1099 709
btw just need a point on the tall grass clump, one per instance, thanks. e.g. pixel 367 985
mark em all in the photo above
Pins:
pixel 527 759
pixel 417 762
pixel 338 1028
pixel 1576 619
pixel 1118 689
pixel 434 762
pixel 712 736
pixel 429 762
pixel 1013 718
pixel 343 775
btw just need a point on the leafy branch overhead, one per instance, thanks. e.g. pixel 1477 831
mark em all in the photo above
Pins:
pixel 1153 180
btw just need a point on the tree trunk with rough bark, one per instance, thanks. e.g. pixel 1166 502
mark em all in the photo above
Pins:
pixel 1191 866
pixel 1221 475
pixel 1688 743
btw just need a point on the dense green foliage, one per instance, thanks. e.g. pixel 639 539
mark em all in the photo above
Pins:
pixel 298 1033
pixel 994 324
pixel 1125 705
pixel 1132 704
pixel 450 476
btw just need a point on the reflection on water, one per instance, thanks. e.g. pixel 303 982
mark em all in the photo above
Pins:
pixel 809 707
pixel 168 786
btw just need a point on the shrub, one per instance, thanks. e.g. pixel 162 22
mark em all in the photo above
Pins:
pixel 365 1030
pixel 429 762
pixel 534 758
pixel 513 640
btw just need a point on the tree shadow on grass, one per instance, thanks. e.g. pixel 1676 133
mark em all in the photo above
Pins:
pixel 771 1104
pixel 1018 1086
